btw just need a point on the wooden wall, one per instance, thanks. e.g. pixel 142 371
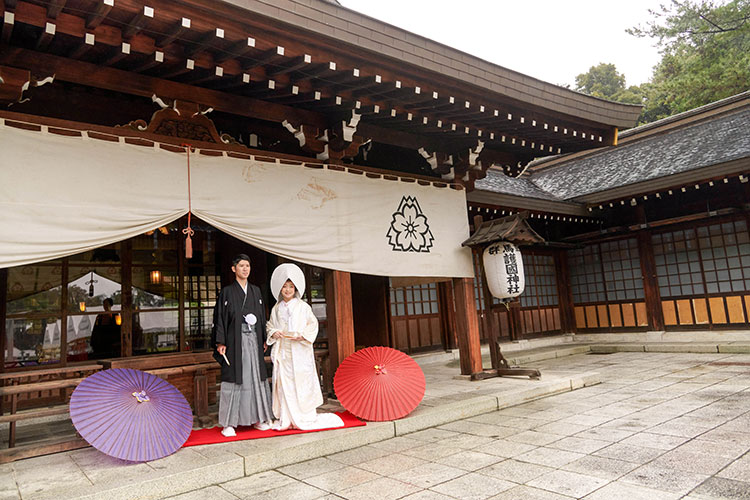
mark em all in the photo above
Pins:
pixel 415 318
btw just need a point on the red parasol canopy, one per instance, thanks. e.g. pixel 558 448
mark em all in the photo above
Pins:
pixel 379 384
pixel 130 414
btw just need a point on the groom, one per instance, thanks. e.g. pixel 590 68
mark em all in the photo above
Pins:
pixel 238 334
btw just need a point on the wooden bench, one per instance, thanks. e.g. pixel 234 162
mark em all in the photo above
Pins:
pixel 199 364
pixel 15 384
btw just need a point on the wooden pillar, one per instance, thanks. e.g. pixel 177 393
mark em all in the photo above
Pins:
pixel 467 326
pixel 64 276
pixel 181 272
pixel 491 325
pixel 3 312
pixel 654 312
pixel 200 393
pixel 514 319
pixel 564 293
pixel 447 311
pixel 340 316
pixel 126 299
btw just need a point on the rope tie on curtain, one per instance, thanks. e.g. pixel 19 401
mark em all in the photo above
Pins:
pixel 188 231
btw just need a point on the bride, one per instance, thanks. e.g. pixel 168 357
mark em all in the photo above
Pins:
pixel 291 331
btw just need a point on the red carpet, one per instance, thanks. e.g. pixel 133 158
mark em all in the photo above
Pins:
pixel 213 435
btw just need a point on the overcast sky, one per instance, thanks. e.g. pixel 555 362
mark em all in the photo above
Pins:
pixel 552 40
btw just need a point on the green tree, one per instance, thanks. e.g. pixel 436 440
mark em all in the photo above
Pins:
pixel 605 82
pixel 705 49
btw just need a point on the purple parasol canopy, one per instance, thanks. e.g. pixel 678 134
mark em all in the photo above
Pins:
pixel 130 414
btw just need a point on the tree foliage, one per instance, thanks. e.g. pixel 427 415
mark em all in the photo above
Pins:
pixel 604 81
pixel 705 49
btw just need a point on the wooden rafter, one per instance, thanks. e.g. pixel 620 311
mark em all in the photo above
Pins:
pixel 96 17
pixel 123 81
pixel 138 22
pixel 54 7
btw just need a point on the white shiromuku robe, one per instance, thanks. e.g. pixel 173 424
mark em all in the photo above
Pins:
pixel 295 383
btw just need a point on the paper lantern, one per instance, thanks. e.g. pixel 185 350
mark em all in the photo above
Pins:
pixel 503 269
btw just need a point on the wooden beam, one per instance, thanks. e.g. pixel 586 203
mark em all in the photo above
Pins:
pixel 95 18
pixel 127 82
pixel 88 43
pixel 6 28
pixel 74 26
pixel 237 50
pixel 177 30
pixel 204 43
pixel 467 327
pixel 53 8
pixel 135 84
pixel 295 65
pixel 340 316
pixel 138 22
pixel 48 32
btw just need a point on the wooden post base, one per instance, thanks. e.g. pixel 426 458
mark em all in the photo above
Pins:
pixel 501 368
pixel 506 372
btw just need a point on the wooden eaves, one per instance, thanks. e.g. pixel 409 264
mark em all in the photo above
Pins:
pixel 313 65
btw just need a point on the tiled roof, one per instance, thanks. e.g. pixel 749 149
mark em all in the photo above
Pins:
pixel 713 141
pixel 498 182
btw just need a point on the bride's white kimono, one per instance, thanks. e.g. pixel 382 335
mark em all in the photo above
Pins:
pixel 295 383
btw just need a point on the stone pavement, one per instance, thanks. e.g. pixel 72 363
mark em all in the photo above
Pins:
pixel 660 425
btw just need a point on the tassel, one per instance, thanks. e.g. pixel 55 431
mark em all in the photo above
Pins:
pixel 188 247
pixel 188 232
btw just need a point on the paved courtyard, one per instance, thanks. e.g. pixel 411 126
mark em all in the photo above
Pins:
pixel 661 426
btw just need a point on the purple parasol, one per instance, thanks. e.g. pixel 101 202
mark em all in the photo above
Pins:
pixel 130 414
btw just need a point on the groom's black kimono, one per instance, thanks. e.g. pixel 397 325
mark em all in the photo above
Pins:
pixel 229 314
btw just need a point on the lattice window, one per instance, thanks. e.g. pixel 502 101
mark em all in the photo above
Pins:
pixel 586 279
pixel 622 269
pixel 725 252
pixel 415 300
pixel 541 281
pixel 678 266
pixel 608 271
pixel 709 259
pixel 201 290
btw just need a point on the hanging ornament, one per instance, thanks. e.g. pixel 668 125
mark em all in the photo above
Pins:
pixel 188 231
pixel 90 283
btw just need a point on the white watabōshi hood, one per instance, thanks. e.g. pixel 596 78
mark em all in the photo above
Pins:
pixel 287 272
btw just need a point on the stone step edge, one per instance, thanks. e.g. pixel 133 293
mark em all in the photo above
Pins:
pixel 521 358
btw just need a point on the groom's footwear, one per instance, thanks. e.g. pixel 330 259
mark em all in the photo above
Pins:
pixel 228 432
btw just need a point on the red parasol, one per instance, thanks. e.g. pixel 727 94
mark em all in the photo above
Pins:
pixel 379 384
pixel 130 414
